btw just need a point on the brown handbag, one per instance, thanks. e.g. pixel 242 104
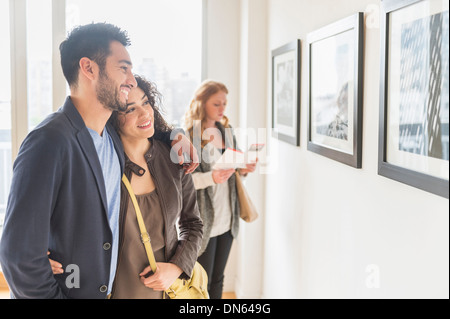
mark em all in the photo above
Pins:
pixel 248 209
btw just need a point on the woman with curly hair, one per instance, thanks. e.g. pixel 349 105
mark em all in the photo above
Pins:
pixel 166 196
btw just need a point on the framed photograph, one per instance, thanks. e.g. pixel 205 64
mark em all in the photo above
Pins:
pixel 414 96
pixel 286 93
pixel 336 90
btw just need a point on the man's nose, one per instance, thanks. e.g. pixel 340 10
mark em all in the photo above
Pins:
pixel 131 80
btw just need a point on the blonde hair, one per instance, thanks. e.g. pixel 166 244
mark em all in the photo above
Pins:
pixel 196 111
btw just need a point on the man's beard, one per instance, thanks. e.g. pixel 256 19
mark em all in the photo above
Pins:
pixel 108 94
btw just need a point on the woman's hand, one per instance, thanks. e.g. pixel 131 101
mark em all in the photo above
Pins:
pixel 249 169
pixel 163 278
pixel 221 176
pixel 56 266
pixel 181 144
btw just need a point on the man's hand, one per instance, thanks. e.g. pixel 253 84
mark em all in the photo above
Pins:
pixel 181 144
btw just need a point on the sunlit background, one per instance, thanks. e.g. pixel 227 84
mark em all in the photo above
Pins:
pixel 5 110
pixel 166 48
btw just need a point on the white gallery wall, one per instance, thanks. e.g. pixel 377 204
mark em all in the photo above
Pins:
pixel 336 226
pixel 326 230
pixel 221 63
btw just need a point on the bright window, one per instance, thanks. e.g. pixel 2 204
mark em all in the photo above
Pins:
pixel 166 42
pixel 166 48
pixel 5 110
pixel 39 60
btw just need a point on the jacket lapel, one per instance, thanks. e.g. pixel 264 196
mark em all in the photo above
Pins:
pixel 87 146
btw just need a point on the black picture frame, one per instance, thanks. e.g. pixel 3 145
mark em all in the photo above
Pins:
pixel 286 92
pixel 338 137
pixel 395 160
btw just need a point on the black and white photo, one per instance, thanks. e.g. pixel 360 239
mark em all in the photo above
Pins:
pixel 335 90
pixel 414 110
pixel 286 92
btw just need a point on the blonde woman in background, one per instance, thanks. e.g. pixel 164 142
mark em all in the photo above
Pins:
pixel 216 189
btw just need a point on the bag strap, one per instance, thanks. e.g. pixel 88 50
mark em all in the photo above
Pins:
pixel 145 237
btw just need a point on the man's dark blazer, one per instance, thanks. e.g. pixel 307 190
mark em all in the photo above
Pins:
pixel 58 202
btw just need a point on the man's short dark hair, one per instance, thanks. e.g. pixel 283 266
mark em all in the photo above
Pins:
pixel 91 41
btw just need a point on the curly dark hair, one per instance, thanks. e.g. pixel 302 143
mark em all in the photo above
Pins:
pixel 155 99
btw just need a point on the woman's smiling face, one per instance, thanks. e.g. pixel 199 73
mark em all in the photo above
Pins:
pixel 138 120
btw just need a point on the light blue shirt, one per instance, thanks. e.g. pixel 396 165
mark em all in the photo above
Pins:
pixel 110 164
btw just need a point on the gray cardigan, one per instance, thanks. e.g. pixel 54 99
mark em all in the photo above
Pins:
pixel 204 196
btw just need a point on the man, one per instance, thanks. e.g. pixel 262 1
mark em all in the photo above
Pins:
pixel 65 191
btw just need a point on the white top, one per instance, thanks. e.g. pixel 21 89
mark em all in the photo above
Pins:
pixel 221 198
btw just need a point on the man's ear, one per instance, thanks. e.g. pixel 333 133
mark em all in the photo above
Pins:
pixel 88 68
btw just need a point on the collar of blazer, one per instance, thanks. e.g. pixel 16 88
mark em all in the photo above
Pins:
pixel 72 114
pixel 77 121
pixel 87 145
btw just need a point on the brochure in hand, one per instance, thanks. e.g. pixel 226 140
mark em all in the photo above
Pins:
pixel 233 159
